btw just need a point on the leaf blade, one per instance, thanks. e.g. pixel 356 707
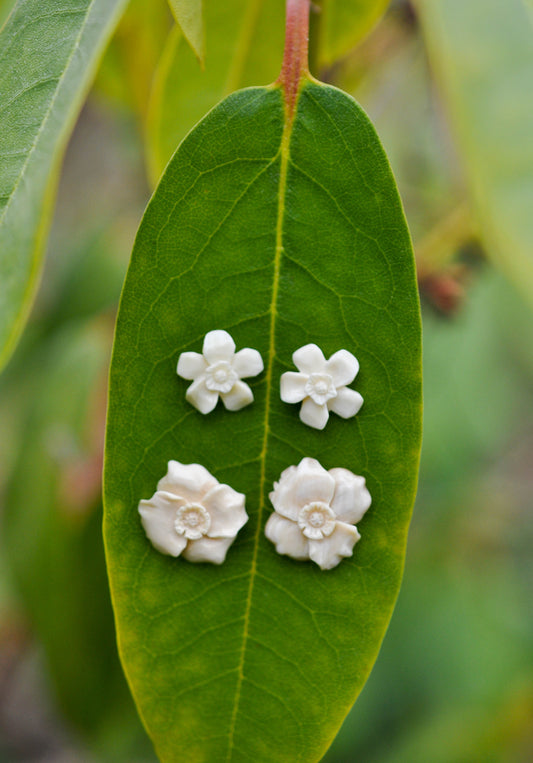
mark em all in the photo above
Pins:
pixel 49 85
pixel 345 24
pixel 189 15
pixel 215 663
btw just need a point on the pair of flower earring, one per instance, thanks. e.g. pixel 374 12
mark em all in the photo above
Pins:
pixel 315 511
pixel 320 384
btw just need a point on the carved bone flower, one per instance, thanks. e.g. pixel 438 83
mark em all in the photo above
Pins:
pixel 192 514
pixel 321 385
pixel 315 513
pixel 218 372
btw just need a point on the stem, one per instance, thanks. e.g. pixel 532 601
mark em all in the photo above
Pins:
pixel 295 64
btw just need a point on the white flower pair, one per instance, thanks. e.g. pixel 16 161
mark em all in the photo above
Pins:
pixel 320 384
pixel 193 515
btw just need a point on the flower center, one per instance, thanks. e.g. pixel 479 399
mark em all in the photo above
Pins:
pixel 316 520
pixel 220 377
pixel 192 520
pixel 320 388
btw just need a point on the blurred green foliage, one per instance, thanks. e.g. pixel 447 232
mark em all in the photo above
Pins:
pixel 454 681
pixel 482 59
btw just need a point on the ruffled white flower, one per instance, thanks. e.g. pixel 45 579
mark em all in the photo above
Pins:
pixel 192 514
pixel 315 513
pixel 218 372
pixel 321 385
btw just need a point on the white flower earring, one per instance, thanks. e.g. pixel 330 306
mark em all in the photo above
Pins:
pixel 192 514
pixel 316 512
pixel 218 372
pixel 320 385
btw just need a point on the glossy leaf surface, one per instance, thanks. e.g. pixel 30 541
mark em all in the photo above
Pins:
pixel 282 238
pixel 482 54
pixel 48 53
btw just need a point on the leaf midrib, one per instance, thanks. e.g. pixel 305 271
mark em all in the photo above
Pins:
pixel 284 154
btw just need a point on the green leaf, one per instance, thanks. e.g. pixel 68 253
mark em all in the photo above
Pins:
pixel 344 24
pixel 244 43
pixel 483 57
pixel 127 69
pixel 5 8
pixel 189 15
pixel 244 46
pixel 282 237
pixel 49 53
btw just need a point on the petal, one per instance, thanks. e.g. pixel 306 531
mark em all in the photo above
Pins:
pixel 190 365
pixel 287 537
pixel 189 481
pixel 218 345
pixel 207 550
pixel 314 415
pixel 309 359
pixel 300 485
pixel 343 367
pixel 202 398
pixel 292 387
pixel 226 509
pixel 351 499
pixel 346 404
pixel 157 517
pixel 329 552
pixel 238 396
pixel 281 494
pixel 247 362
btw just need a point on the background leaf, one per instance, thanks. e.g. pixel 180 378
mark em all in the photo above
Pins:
pixel 189 15
pixel 244 43
pixel 125 74
pixel 49 51
pixel 5 7
pixel 260 659
pixel 343 24
pixel 52 535
pixel 482 54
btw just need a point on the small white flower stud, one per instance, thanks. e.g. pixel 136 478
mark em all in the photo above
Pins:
pixel 315 513
pixel 192 514
pixel 218 371
pixel 321 385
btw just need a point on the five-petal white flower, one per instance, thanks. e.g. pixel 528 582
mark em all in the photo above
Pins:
pixel 321 385
pixel 218 371
pixel 192 514
pixel 315 513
